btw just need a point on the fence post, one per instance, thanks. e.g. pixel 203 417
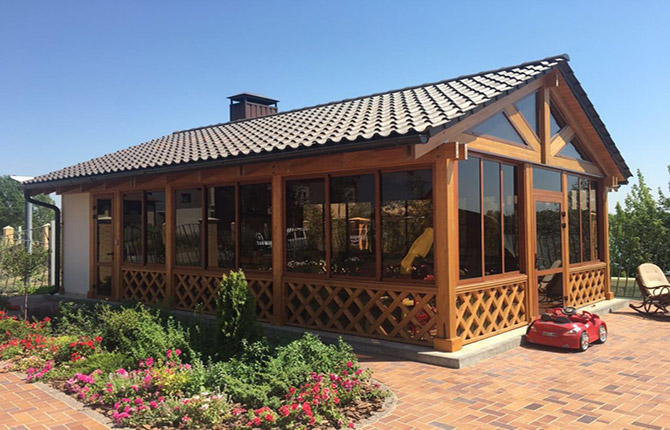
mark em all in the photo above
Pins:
pixel 8 235
pixel 46 233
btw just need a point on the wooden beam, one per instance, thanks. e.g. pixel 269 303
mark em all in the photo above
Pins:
pixel 577 166
pixel 521 126
pixel 561 139
pixel 482 144
pixel 278 239
pixel 545 123
pixel 527 208
pixel 449 134
pixel 170 226
pixel 603 236
pixel 117 211
pixel 455 150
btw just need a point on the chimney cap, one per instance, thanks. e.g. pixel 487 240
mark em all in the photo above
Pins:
pixel 253 98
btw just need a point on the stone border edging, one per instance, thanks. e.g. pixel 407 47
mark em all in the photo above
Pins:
pixel 388 407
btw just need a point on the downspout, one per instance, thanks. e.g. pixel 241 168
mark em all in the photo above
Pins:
pixel 57 237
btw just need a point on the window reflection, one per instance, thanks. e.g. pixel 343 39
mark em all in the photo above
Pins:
pixel 155 227
pixel 132 228
pixel 256 226
pixel 221 227
pixel 510 217
pixel 492 225
pixel 407 224
pixel 528 108
pixel 574 220
pixel 305 247
pixel 469 218
pixel 188 217
pixel 544 179
pixel 353 225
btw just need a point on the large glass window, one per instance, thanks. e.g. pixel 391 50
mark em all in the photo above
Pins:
pixel 305 239
pixel 573 149
pixel 256 226
pixel 582 219
pixel 492 221
pixel 144 228
pixel 528 108
pixel 352 215
pixel 469 218
pixel 510 217
pixel 221 227
pixel 488 205
pixel 155 227
pixel 188 228
pixel 498 127
pixel 407 224
pixel 132 228
pixel 544 179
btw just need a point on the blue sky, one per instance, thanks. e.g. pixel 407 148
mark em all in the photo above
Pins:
pixel 81 79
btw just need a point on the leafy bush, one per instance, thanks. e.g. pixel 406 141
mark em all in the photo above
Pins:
pixel 140 333
pixel 260 376
pixel 235 314
pixel 107 362
pixel 80 319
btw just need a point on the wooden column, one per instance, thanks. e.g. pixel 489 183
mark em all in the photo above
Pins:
pixel 445 220
pixel 117 220
pixel 528 225
pixel 545 122
pixel 604 236
pixel 278 240
pixel 169 244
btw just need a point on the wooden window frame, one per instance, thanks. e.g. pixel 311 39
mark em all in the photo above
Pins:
pixel 204 254
pixel 378 228
pixel 503 275
pixel 143 256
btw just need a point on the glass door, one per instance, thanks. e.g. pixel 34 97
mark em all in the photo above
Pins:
pixel 104 246
pixel 549 226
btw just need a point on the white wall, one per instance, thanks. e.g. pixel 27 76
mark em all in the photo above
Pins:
pixel 76 235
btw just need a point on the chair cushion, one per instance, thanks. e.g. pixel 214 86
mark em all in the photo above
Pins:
pixel 652 276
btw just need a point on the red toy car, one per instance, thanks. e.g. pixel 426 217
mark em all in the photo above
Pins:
pixel 565 328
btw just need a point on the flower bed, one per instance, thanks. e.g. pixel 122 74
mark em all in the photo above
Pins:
pixel 301 384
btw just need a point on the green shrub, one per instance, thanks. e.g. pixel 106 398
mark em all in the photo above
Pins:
pixel 260 376
pixel 108 362
pixel 140 333
pixel 80 319
pixel 235 314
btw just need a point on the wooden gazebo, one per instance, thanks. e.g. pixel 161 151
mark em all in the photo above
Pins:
pixel 439 214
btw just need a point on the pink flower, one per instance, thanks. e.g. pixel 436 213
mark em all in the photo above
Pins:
pixel 150 362
pixel 350 364
pixel 169 353
pixel 153 404
pixel 178 352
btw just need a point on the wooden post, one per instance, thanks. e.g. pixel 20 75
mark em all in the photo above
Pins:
pixel 604 237
pixel 545 123
pixel 278 239
pixel 169 244
pixel 8 235
pixel 446 256
pixel 117 220
pixel 45 235
pixel 528 260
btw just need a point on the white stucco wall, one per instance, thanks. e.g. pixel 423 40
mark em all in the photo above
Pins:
pixel 75 208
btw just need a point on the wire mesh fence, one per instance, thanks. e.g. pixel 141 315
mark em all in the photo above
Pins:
pixel 11 241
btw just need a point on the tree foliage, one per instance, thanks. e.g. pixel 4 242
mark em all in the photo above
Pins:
pixel 12 205
pixel 640 230
pixel 18 262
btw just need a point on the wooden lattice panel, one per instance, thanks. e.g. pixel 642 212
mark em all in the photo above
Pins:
pixel 484 310
pixel 144 286
pixel 197 291
pixel 586 285
pixel 397 313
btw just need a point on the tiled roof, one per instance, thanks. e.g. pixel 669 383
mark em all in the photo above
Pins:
pixel 394 113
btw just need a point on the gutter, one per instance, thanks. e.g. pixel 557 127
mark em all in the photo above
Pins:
pixel 57 233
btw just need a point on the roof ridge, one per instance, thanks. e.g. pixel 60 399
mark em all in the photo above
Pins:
pixel 563 57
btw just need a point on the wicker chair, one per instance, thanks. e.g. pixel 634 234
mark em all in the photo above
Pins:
pixel 655 289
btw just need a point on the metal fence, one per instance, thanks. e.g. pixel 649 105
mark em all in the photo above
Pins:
pixel 12 239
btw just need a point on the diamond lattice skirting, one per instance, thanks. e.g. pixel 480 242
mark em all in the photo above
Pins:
pixel 378 310
pixel 586 285
pixel 143 286
pixel 491 308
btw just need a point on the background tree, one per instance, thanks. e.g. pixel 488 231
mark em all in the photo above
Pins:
pixel 640 230
pixel 12 205
pixel 18 262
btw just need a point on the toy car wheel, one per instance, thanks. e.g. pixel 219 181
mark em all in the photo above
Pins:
pixel 584 342
pixel 602 334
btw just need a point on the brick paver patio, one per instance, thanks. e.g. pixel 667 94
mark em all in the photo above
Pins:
pixel 624 384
